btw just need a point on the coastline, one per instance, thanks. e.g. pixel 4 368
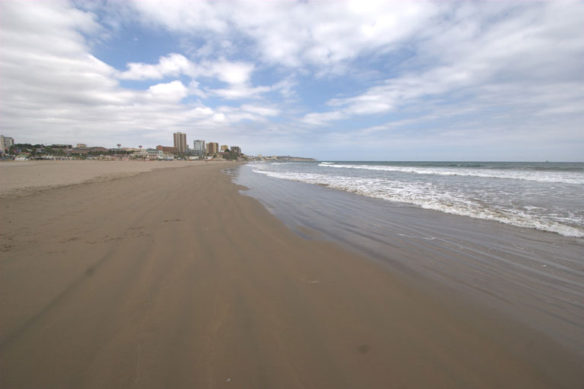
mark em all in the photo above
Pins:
pixel 531 276
pixel 172 278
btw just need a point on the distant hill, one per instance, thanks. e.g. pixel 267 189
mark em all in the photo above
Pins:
pixel 289 158
pixel 283 158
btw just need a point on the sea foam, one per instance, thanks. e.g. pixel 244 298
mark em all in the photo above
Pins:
pixel 547 176
pixel 429 195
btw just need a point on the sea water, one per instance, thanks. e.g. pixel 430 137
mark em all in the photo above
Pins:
pixel 543 196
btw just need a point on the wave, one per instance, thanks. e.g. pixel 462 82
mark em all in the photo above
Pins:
pixel 529 175
pixel 428 196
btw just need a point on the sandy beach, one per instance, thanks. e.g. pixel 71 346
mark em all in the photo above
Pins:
pixel 24 177
pixel 170 278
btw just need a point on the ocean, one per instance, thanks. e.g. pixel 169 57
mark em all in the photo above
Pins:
pixel 544 196
pixel 504 235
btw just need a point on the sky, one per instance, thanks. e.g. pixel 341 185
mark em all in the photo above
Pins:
pixel 332 80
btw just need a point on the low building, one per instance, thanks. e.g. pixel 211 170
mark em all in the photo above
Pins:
pixel 236 150
pixel 167 149
pixel 154 153
pixel 224 148
pixel 158 155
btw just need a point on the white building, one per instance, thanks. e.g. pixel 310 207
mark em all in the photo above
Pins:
pixel 5 143
pixel 199 148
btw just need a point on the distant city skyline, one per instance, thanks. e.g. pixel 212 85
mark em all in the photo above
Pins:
pixel 11 150
pixel 342 80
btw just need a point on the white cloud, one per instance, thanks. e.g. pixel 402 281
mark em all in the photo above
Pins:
pixel 219 117
pixel 259 110
pixel 321 118
pixel 173 91
pixel 247 112
pixel 172 65
pixel 52 89
pixel 295 33
pixel 175 65
pixel 239 92
pixel 47 71
pixel 237 73
pixel 286 87
pixel 526 60
pixel 180 14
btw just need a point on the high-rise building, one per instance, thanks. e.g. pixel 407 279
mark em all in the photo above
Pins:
pixel 224 148
pixel 180 142
pixel 199 147
pixel 212 148
pixel 235 150
pixel 5 143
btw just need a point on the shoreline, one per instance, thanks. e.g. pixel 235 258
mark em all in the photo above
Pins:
pixel 531 276
pixel 172 278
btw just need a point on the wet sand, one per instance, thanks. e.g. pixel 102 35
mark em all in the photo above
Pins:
pixel 534 277
pixel 171 278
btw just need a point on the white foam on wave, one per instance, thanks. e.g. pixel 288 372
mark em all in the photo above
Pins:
pixel 551 177
pixel 428 196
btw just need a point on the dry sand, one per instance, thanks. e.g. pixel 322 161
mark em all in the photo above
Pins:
pixel 172 279
pixel 23 177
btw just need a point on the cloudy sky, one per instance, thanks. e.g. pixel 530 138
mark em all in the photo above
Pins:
pixel 365 80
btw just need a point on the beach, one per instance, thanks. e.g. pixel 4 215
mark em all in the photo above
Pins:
pixel 171 277
pixel 535 277
pixel 22 177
